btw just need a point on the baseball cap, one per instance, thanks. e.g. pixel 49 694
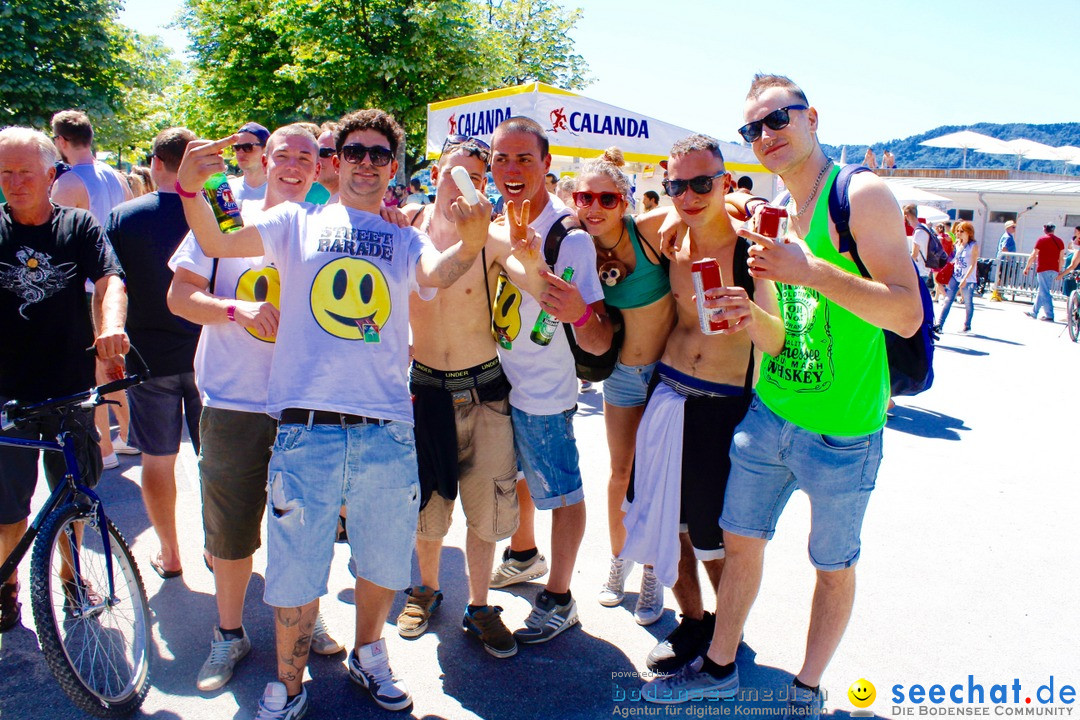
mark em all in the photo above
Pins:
pixel 257 130
pixel 1009 224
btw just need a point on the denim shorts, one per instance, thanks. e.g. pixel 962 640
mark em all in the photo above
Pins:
pixel 628 385
pixel 371 469
pixel 770 457
pixel 548 455
pixel 159 406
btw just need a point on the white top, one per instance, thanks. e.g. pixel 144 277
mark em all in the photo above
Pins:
pixel 232 364
pixel 343 336
pixel 963 262
pixel 543 377
pixel 921 238
pixel 246 193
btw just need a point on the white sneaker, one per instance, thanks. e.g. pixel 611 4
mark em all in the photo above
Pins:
pixel 321 641
pixel 122 448
pixel 224 654
pixel 110 461
pixel 274 704
pixel 612 593
pixel 650 602
pixel 370 666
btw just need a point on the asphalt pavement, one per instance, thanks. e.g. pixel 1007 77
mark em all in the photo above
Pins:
pixel 968 568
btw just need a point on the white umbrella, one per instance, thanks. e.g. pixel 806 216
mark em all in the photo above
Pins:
pixel 1024 148
pixel 965 140
pixel 906 195
pixel 930 215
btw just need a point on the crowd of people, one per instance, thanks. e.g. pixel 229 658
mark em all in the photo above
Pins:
pixel 248 336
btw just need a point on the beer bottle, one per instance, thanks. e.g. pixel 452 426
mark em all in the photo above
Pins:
pixel 226 209
pixel 545 326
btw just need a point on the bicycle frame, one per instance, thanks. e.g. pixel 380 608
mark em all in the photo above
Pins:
pixel 69 488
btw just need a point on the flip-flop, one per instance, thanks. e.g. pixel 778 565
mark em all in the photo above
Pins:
pixel 162 572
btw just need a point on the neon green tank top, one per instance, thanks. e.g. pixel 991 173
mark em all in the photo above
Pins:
pixel 832 377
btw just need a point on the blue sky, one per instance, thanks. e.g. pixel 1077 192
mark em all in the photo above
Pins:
pixel 875 70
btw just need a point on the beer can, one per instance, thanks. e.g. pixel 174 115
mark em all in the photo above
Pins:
pixel 706 276
pixel 773 222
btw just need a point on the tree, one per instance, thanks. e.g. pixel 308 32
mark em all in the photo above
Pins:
pixel 318 59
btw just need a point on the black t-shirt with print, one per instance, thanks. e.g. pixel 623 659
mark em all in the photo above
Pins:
pixel 44 314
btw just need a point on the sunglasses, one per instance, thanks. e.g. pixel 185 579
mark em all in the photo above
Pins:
pixel 246 147
pixel 702 185
pixel 354 153
pixel 473 146
pixel 326 153
pixel 776 120
pixel 608 200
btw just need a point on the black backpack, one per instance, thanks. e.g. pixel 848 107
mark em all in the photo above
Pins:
pixel 935 257
pixel 589 367
pixel 911 360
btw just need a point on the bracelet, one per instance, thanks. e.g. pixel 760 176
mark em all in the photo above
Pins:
pixel 580 322
pixel 184 193
pixel 230 312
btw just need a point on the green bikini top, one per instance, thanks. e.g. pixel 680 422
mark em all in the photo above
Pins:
pixel 645 285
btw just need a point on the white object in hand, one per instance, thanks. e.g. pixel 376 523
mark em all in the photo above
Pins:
pixel 465 184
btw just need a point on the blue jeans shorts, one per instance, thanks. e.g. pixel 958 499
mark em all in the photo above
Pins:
pixel 628 385
pixel 314 470
pixel 547 454
pixel 770 457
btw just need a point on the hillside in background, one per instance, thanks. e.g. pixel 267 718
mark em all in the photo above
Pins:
pixel 909 153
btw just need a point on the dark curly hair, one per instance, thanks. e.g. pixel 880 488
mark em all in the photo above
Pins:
pixel 370 119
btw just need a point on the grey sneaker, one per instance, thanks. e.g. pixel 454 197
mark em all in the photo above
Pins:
pixel 511 571
pixel 369 666
pixel 690 683
pixel 275 704
pixel 546 620
pixel 612 592
pixel 650 602
pixel 804 704
pixel 489 627
pixel 322 643
pixel 224 654
pixel 422 603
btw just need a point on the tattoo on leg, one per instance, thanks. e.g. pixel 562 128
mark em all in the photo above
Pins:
pixel 288 617
pixel 302 646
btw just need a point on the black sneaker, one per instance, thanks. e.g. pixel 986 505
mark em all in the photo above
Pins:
pixel 689 640
pixel 10 607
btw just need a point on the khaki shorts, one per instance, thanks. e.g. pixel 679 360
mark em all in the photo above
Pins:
pixel 487 476
pixel 233 462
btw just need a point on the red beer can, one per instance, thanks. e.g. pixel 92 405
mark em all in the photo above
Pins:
pixel 773 222
pixel 706 276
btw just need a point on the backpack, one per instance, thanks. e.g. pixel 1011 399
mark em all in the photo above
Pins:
pixel 935 257
pixel 589 367
pixel 911 360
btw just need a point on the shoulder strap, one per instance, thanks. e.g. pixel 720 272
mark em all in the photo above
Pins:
pixel 554 239
pixel 739 267
pixel 661 259
pixel 213 275
pixel 840 212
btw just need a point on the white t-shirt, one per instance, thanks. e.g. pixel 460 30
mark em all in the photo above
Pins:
pixel 922 239
pixel 343 337
pixel 232 364
pixel 246 193
pixel 543 377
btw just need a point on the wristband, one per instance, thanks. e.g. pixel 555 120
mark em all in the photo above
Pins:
pixel 580 322
pixel 230 312
pixel 184 193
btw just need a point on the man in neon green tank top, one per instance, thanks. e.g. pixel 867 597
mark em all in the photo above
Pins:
pixel 816 421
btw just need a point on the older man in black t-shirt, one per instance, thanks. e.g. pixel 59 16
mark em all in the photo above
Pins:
pixel 47 253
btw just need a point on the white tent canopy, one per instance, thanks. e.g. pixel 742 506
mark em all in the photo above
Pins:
pixel 576 126
pixel 906 194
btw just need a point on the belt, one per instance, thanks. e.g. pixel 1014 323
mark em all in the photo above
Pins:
pixel 299 416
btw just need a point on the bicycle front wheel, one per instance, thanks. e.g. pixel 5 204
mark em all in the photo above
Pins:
pixel 97 646
pixel 1074 315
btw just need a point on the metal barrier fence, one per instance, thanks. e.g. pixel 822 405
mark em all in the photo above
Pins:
pixel 1009 278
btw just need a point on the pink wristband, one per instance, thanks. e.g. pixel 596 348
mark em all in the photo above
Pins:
pixel 230 312
pixel 580 322
pixel 184 193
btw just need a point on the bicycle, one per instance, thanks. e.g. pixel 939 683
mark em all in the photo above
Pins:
pixel 93 620
pixel 1073 311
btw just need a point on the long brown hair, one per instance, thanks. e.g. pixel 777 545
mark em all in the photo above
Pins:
pixel 968 229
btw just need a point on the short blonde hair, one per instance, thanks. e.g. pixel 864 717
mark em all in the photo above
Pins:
pixel 29 136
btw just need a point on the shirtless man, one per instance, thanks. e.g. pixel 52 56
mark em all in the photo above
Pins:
pixel 464 438
pixel 704 389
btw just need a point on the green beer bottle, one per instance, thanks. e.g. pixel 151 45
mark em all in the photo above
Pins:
pixel 545 326
pixel 226 209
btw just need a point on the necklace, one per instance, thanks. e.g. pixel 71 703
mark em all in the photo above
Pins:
pixel 609 252
pixel 813 193
pixel 611 269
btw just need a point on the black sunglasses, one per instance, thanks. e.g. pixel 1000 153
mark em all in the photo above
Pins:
pixel 354 153
pixel 776 120
pixel 325 153
pixel 608 200
pixel 702 184
pixel 472 146
pixel 245 147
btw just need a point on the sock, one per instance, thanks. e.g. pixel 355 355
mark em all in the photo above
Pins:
pixel 804 686
pixel 290 698
pixel 559 598
pixel 717 671
pixel 233 634
pixel 523 555
pixel 475 608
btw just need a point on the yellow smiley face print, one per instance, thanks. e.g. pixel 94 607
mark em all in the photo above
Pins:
pixel 350 299
pixel 506 312
pixel 260 286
